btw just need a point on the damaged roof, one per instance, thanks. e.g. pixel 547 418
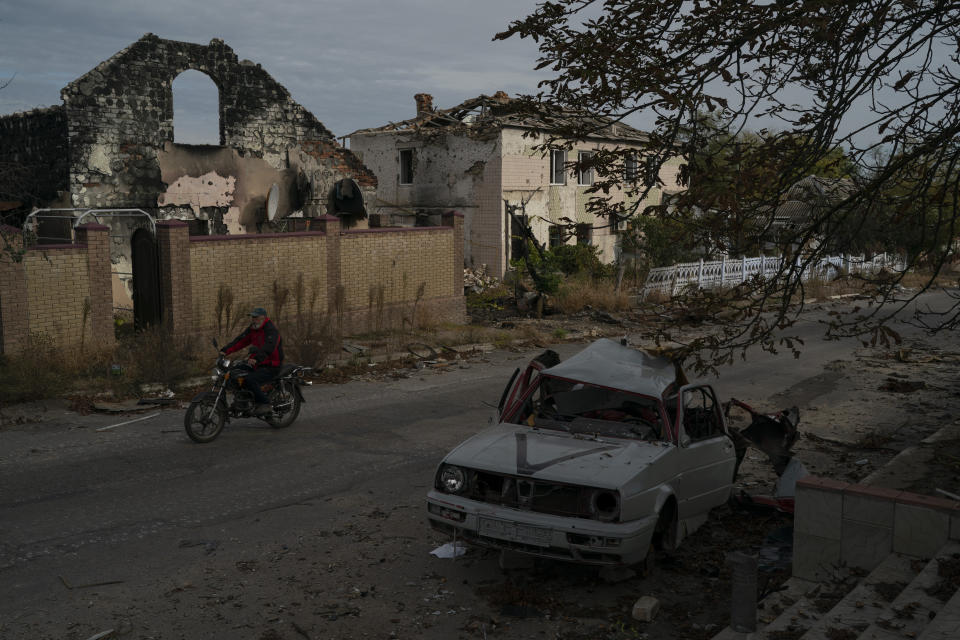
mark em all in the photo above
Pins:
pixel 808 195
pixel 606 363
pixel 499 110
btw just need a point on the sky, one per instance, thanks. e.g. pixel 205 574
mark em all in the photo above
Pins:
pixel 352 63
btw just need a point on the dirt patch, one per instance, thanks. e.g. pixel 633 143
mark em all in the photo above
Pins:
pixel 692 584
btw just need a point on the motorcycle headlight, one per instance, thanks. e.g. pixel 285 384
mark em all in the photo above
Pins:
pixel 452 479
pixel 605 505
pixel 226 363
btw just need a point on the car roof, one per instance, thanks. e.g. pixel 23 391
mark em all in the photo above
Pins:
pixel 608 363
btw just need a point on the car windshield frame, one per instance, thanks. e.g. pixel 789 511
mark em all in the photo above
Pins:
pixel 618 413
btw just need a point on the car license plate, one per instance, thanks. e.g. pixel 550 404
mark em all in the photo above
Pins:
pixel 515 532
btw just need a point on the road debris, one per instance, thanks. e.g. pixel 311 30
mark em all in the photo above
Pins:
pixel 449 550
pixel 119 407
pixel 85 586
pixel 120 424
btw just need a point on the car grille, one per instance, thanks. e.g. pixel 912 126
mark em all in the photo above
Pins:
pixel 530 495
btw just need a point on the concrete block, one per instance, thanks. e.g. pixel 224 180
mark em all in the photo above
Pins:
pixel 873 505
pixel 645 609
pixel 919 530
pixel 865 545
pixel 818 511
pixel 814 557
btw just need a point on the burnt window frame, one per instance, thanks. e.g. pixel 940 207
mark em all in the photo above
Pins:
pixel 584 234
pixel 405 170
pixel 631 167
pixel 555 236
pixel 585 177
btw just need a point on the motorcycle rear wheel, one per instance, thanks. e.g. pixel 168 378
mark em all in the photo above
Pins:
pixel 200 424
pixel 285 404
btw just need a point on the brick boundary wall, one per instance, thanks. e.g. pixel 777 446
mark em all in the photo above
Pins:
pixel 14 310
pixel 855 525
pixel 438 265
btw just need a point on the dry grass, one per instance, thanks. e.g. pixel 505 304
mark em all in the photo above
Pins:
pixel 155 355
pixel 578 292
pixel 45 370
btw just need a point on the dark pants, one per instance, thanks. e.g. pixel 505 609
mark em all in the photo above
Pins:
pixel 259 377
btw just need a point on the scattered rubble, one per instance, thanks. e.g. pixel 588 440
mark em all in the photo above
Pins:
pixel 478 280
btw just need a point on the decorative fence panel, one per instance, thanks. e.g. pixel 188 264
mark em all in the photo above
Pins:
pixel 733 271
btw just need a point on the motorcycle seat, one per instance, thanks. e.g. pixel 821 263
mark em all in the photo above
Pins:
pixel 285 370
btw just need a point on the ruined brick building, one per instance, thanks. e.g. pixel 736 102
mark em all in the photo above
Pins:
pixel 204 230
pixel 480 155
pixel 111 145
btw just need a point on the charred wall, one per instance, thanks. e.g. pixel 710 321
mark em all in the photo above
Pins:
pixel 33 156
pixel 120 117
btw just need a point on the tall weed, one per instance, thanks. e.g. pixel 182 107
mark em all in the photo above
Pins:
pixel 579 291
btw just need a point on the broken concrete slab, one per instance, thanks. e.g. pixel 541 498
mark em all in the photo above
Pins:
pixel 645 609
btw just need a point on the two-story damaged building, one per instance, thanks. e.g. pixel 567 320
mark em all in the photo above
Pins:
pixel 481 158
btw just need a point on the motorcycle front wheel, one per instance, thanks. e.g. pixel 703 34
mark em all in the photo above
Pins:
pixel 204 420
pixel 285 404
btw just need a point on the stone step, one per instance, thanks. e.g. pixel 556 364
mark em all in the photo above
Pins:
pixel 911 611
pixel 873 595
pixel 946 626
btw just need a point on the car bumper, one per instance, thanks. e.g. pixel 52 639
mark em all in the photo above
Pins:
pixel 561 538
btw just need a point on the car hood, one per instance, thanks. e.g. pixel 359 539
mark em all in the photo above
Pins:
pixel 557 456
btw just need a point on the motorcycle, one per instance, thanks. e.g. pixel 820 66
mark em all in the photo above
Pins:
pixel 211 410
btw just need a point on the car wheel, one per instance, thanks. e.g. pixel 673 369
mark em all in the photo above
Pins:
pixel 665 533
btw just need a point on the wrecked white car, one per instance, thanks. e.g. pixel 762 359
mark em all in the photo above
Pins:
pixel 594 460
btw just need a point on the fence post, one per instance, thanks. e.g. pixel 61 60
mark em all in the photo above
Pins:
pixel 743 268
pixel 673 281
pixel 723 270
pixel 700 275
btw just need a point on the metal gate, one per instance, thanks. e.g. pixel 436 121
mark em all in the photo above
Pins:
pixel 133 253
pixel 146 278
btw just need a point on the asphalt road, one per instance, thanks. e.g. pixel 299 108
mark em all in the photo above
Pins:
pixel 139 530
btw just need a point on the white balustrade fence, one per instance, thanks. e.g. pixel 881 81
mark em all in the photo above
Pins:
pixel 733 271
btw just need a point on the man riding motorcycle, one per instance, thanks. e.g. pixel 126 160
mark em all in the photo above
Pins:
pixel 266 356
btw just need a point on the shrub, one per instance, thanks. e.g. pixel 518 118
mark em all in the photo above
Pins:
pixel 154 354
pixel 581 291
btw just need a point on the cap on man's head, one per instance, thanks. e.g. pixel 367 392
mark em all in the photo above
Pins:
pixel 259 311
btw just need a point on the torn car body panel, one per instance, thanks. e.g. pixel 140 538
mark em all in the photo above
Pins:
pixel 593 459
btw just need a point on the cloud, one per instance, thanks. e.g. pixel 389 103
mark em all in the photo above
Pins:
pixel 353 63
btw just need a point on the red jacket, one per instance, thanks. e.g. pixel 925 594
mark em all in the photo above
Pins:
pixel 266 347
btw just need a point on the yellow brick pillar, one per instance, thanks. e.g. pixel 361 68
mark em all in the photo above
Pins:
pixel 455 220
pixel 96 237
pixel 176 287
pixel 330 225
pixel 14 311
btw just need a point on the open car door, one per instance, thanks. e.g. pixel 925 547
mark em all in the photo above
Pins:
pixel 706 452
pixel 518 389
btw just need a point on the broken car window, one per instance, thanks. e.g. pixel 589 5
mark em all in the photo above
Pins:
pixel 701 420
pixel 576 407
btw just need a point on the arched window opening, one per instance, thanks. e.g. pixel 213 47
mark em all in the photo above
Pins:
pixel 196 109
